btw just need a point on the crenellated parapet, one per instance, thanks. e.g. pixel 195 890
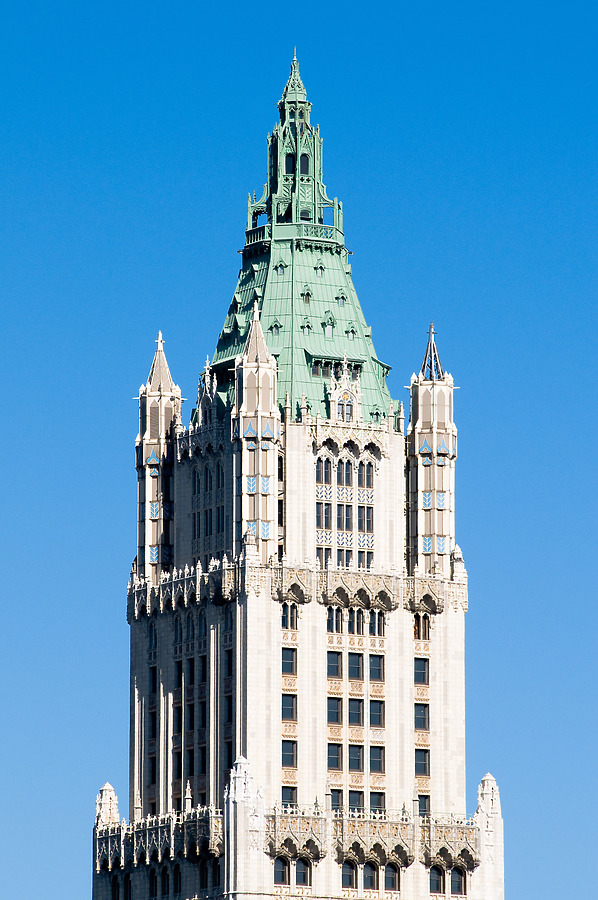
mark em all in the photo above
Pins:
pixel 161 837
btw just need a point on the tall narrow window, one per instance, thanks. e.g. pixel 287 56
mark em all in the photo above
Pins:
pixel 436 880
pixel 349 875
pixel 289 168
pixel 303 872
pixel 304 164
pixel 281 870
pixel 457 882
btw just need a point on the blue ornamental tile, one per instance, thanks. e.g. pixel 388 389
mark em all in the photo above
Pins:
pixel 425 447
pixel 265 530
pixel 426 461
pixel 440 499
pixel 427 544
pixel 153 554
pixel 250 431
pixel 265 484
pixel 267 432
pixel 441 544
pixel 152 459
pixel 154 508
pixel 251 484
pixel 427 500
pixel 443 448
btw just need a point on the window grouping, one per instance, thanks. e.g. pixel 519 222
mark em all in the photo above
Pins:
pixel 288 616
pixel 438 876
pixel 371 875
pixel 345 520
pixel 421 627
pixel 208 521
pixel 355 621
pixel 299 870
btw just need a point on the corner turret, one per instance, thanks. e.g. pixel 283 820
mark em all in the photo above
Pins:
pixel 256 429
pixel 159 415
pixel 432 451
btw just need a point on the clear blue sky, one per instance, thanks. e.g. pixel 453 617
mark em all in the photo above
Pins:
pixel 462 139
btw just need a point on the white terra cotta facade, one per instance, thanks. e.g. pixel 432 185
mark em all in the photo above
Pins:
pixel 297 602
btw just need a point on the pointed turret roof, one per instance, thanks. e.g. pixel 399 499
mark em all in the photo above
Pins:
pixel 294 88
pixel 255 347
pixel 159 376
pixel 432 367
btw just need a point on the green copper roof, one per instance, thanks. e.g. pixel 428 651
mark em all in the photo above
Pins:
pixel 297 268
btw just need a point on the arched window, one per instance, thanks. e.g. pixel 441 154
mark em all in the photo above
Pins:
pixel 436 880
pixel 190 628
pixel 349 875
pixel 303 872
pixel 370 876
pixel 391 878
pixel 196 482
pixel 381 624
pixel 361 475
pixel 153 883
pixel 276 329
pixel 348 411
pixel 201 625
pixel 284 618
pixel 165 882
pixel 329 331
pixel 319 471
pixel 176 880
pixel 359 621
pixel 351 622
pixel 369 475
pixel 304 164
pixel 127 892
pixel 216 873
pixel 115 888
pixel 417 627
pixel 220 475
pixel 330 619
pixel 458 881
pixel 281 870
pixel 339 620
pixel 348 474
pixel 327 472
pixel 340 472
pixel 178 630
pixel 289 164
pixel 293 616
pixel 425 628
pixel 228 619
pixel 153 640
pixel 207 479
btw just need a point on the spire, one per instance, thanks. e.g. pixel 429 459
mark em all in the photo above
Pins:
pixel 432 367
pixel 159 375
pixel 255 346
pixel 294 88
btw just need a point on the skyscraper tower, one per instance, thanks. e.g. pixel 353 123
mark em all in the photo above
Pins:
pixel 297 601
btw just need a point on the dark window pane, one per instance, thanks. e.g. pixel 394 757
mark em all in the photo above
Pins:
pixel 391 878
pixel 355 669
pixel 336 797
pixel 376 759
pixel 424 804
pixel 289 707
pixel 457 881
pixel 289 754
pixel 421 670
pixel 302 872
pixel 376 668
pixel 281 871
pixel 289 796
pixel 355 758
pixel 422 762
pixel 377 801
pixel 335 669
pixel 377 713
pixel 335 711
pixel 355 712
pixel 356 800
pixel 289 661
pixel 422 716
pixel 335 756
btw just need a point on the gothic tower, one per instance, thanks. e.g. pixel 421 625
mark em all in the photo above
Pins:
pixel 297 602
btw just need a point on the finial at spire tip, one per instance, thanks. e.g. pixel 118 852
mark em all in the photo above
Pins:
pixel 295 53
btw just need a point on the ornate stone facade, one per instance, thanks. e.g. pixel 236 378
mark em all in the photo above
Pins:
pixel 297 602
